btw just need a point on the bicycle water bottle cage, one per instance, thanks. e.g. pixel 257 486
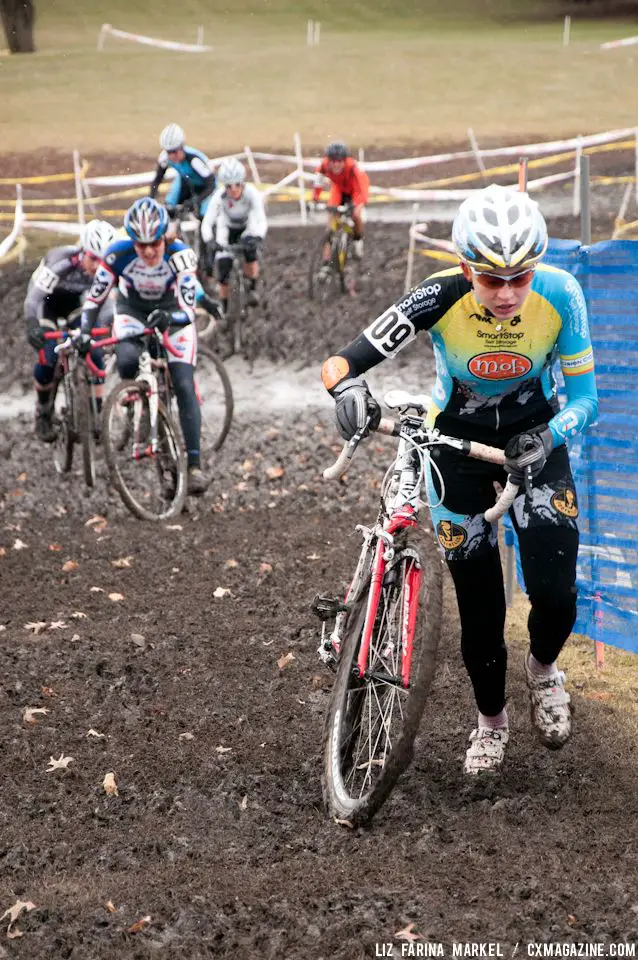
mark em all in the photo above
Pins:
pixel 327 608
pixel 402 400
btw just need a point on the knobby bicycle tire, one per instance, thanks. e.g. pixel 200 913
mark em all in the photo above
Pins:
pixel 84 424
pixel 63 408
pixel 348 694
pixel 112 454
pixel 220 430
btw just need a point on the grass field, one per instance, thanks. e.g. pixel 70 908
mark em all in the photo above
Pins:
pixel 378 77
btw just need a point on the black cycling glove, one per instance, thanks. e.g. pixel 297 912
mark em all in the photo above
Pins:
pixel 526 455
pixel 160 319
pixel 355 404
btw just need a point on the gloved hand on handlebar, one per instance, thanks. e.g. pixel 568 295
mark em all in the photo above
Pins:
pixel 171 210
pixel 526 455
pixel 210 306
pixel 355 404
pixel 160 319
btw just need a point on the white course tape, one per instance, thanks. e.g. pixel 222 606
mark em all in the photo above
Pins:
pixel 627 42
pixel 150 41
pixel 9 241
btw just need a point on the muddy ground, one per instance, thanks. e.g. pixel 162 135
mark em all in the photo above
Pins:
pixel 217 835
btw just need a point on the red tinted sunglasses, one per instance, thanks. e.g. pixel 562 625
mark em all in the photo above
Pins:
pixel 493 281
pixel 154 243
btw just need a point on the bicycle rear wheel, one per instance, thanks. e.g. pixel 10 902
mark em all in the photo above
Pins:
pixel 215 396
pixel 83 424
pixel 373 720
pixel 63 417
pixel 151 484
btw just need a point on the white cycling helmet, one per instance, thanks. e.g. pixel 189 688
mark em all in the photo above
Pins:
pixel 498 228
pixel 231 171
pixel 172 137
pixel 97 235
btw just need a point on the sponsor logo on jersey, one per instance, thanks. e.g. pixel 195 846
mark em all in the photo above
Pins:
pixel 564 501
pixel 480 317
pixel 499 365
pixel 419 294
pixel 451 535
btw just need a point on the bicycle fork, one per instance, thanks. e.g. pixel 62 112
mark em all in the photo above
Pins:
pixel 142 447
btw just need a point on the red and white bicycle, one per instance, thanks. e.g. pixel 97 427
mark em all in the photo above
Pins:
pixel 384 639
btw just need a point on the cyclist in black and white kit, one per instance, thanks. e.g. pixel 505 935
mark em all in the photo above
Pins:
pixel 56 289
pixel 236 212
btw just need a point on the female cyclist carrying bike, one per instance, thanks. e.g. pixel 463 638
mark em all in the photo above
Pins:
pixel 498 321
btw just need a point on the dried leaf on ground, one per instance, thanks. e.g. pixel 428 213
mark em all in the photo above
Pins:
pixel 78 615
pixel 94 733
pixel 69 565
pixel 139 925
pixel 13 913
pixel 174 526
pixel 265 567
pixel 313 556
pixel 408 934
pixel 138 639
pixel 76 636
pixel 122 562
pixel 97 590
pixel 274 473
pixel 36 626
pixel 221 749
pixel 243 803
pixel 29 713
pixel 285 661
pixel 344 823
pixel 20 545
pixel 48 691
pixel 116 597
pixel 97 519
pixel 247 466
pixel 231 564
pixel 221 592
pixel 186 736
pixel 110 906
pixel 3 551
pixel 601 695
pixel 60 764
pixel 110 786
pixel 58 625
pixel 55 547
pixel 2 627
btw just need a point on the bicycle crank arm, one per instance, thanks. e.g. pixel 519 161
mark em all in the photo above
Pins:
pixel 327 608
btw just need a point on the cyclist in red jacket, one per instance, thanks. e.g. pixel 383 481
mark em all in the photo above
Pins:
pixel 349 185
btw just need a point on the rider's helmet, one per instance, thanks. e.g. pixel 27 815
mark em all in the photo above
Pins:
pixel 146 220
pixel 498 228
pixel 96 236
pixel 337 151
pixel 172 137
pixel 231 171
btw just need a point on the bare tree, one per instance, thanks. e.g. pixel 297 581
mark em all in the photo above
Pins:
pixel 18 17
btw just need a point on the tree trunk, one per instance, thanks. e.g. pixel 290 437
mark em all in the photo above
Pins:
pixel 18 17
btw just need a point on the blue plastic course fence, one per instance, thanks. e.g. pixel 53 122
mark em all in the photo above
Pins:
pixel 605 459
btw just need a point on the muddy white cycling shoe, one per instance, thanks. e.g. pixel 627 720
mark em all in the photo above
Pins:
pixel 550 707
pixel 486 751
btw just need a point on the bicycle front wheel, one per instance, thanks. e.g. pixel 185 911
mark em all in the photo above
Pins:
pixel 151 482
pixel 84 425
pixel 63 418
pixel 373 718
pixel 215 397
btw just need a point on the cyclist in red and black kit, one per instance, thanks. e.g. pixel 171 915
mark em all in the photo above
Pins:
pixel 56 289
pixel 350 185
pixel 498 322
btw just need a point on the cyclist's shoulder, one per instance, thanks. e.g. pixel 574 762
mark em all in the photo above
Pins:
pixel 252 192
pixel 192 152
pixel 162 160
pixel 174 247
pixel 119 254
pixel 559 287
pixel 64 256
pixel 436 294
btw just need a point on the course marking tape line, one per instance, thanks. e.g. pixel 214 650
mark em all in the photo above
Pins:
pixel 50 178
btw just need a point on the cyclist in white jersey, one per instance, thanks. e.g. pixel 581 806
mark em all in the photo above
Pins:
pixel 236 212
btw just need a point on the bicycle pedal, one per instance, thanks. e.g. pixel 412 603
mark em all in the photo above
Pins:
pixel 327 608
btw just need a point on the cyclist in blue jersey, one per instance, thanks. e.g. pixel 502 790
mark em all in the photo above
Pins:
pixel 194 177
pixel 154 276
pixel 497 322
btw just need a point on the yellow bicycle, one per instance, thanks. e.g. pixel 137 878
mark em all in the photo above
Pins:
pixel 327 273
